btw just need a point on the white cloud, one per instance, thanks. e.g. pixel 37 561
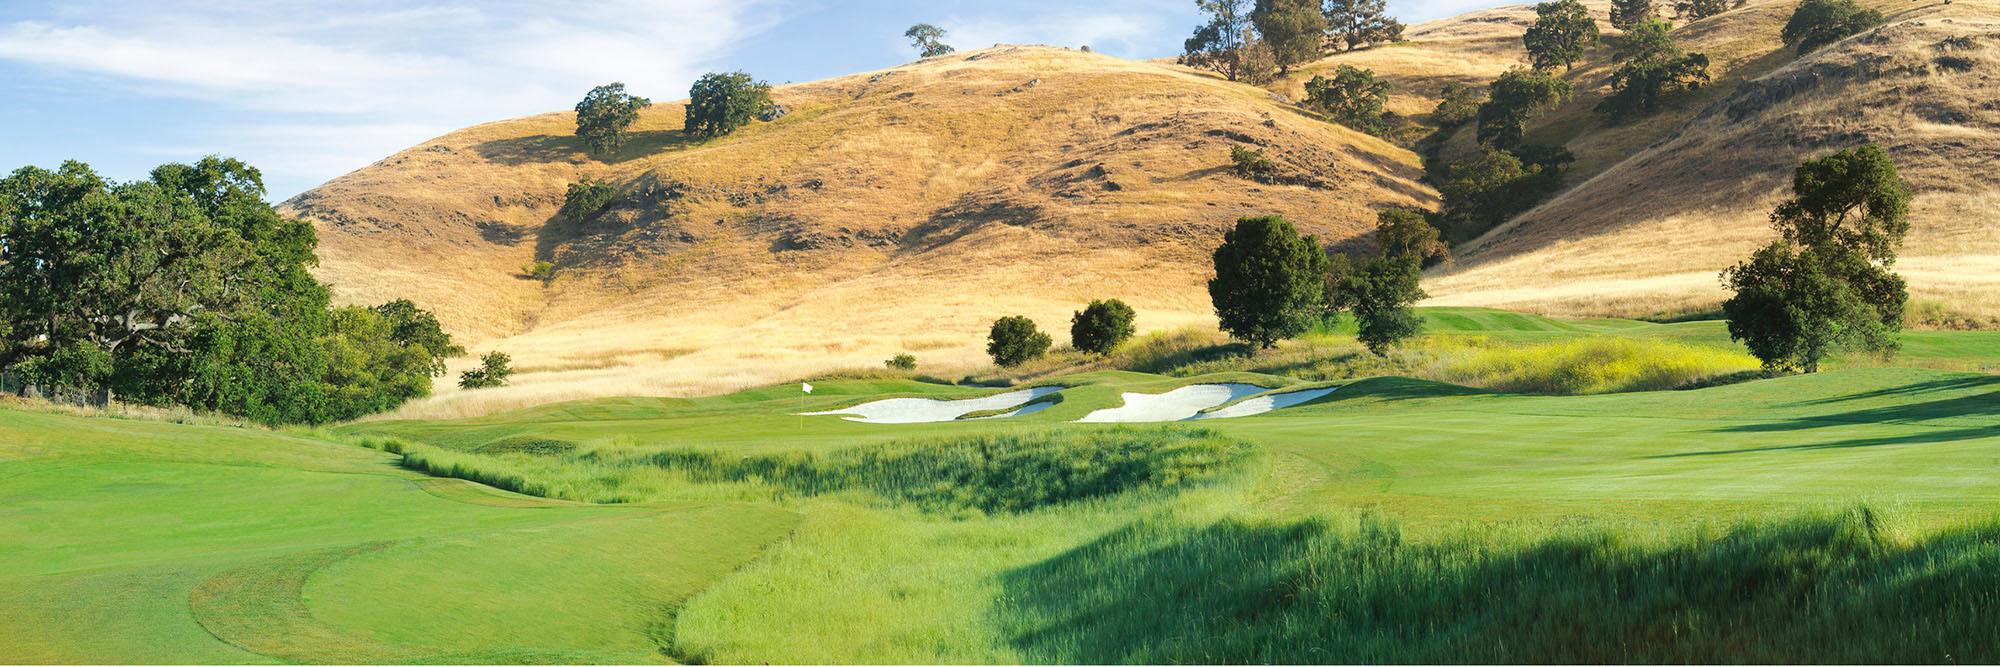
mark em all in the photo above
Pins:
pixel 347 83
pixel 1123 33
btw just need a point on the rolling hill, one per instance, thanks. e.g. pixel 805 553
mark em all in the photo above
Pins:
pixel 896 210
pixel 905 209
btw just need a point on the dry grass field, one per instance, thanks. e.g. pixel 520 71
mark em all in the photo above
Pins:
pixel 1653 218
pixel 899 210
pixel 905 209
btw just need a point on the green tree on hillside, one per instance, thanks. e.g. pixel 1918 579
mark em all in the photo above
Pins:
pixel 1480 194
pixel 1268 282
pixel 1825 284
pixel 1457 104
pixel 494 369
pixel 187 288
pixel 1291 28
pixel 1352 24
pixel 1514 99
pixel 1015 340
pixel 1654 67
pixel 1561 33
pixel 1695 10
pixel 720 103
pixel 1628 13
pixel 1817 23
pixel 603 115
pixel 1220 44
pixel 928 40
pixel 1382 290
pixel 586 198
pixel 1101 326
pixel 1408 232
pixel 1353 97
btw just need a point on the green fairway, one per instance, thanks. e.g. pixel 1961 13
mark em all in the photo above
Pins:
pixel 1392 520
pixel 129 541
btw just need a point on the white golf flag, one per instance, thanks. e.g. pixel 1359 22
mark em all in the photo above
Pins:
pixel 808 386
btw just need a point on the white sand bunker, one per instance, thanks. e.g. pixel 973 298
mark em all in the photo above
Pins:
pixel 1187 403
pixel 1173 406
pixel 923 410
pixel 1263 404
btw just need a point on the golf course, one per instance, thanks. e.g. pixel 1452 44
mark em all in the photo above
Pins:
pixel 1846 515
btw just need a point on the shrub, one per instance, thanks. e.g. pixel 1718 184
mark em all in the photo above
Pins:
pixel 603 115
pixel 1014 341
pixel 1481 194
pixel 587 198
pixel 1353 97
pixel 720 103
pixel 1817 23
pixel 902 361
pixel 1268 281
pixel 492 372
pixel 1251 164
pixel 1459 105
pixel 542 271
pixel 1101 326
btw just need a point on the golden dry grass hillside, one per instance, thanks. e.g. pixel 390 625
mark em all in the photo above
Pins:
pixel 890 211
pixel 1658 208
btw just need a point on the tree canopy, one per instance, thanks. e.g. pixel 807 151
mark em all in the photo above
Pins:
pixel 1825 284
pixel 1628 13
pixel 1015 340
pixel 928 40
pixel 1101 326
pixel 1268 282
pixel 1219 44
pixel 603 115
pixel 1352 24
pixel 1457 104
pixel 1817 23
pixel 1561 33
pixel 1516 98
pixel 1654 68
pixel 720 103
pixel 1353 97
pixel 1291 28
pixel 187 288
pixel 1696 10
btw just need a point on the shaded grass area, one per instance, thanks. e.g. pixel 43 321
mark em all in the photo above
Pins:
pixel 1840 588
pixel 982 473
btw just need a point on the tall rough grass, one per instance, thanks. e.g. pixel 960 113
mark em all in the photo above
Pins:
pixel 1592 365
pixel 1815 588
pixel 995 473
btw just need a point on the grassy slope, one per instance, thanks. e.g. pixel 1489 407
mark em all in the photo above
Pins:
pixel 132 541
pixel 1659 206
pixel 898 210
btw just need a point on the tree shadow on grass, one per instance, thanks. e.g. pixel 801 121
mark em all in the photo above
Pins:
pixel 1813 588
pixel 1937 421
pixel 545 148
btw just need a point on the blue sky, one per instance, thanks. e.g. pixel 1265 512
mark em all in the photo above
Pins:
pixel 307 91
